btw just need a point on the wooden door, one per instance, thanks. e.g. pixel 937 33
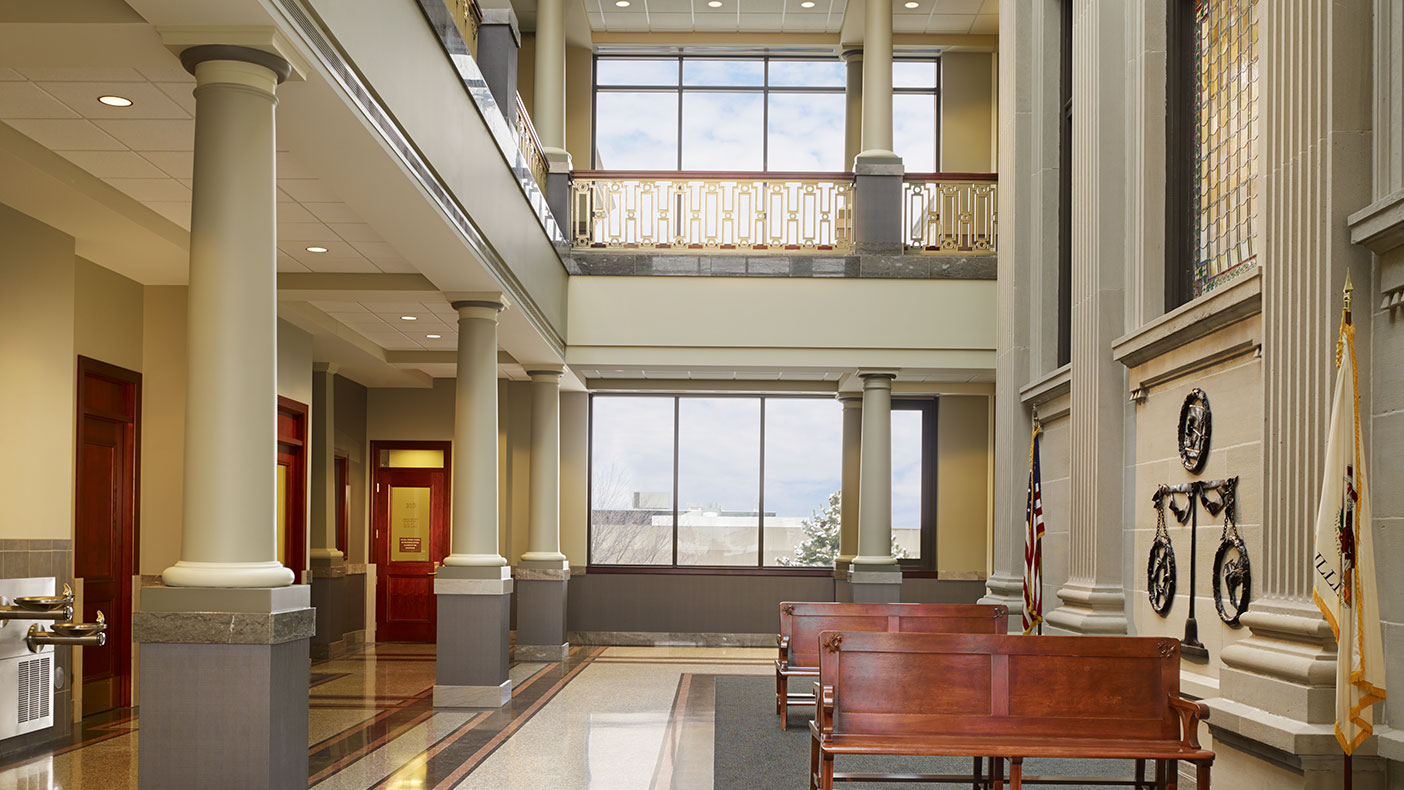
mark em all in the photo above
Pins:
pixel 292 486
pixel 411 540
pixel 105 485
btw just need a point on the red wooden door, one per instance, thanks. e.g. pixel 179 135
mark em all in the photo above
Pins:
pixel 411 540
pixel 105 485
pixel 292 485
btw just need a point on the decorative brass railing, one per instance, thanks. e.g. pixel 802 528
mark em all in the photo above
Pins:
pixel 950 213
pixel 466 17
pixel 712 211
pixel 530 144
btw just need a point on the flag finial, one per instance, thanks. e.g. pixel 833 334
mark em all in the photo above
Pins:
pixel 1348 292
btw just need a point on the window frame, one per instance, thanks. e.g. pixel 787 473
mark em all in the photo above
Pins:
pixel 765 89
pixel 929 459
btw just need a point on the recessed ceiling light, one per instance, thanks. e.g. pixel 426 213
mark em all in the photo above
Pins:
pixel 807 4
pixel 622 3
pixel 912 5
pixel 316 249
pixel 715 4
pixel 115 101
pixel 433 337
pixel 409 318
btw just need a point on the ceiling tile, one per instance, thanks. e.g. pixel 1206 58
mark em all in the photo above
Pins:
pixel 376 250
pixel 986 24
pixel 157 189
pixel 360 320
pixel 670 20
pixel 990 7
pixel 352 231
pixel 908 23
pixel 395 266
pixel 114 164
pixel 182 93
pixel 396 308
pixel 332 212
pixel 167 71
pixel 10 75
pixel 286 264
pixel 71 135
pixel 626 20
pixel 307 190
pixel 717 22
pixel 178 164
pixel 27 100
pixel 335 306
pixel 760 22
pixel 328 265
pixel 305 231
pixel 167 135
pixel 955 6
pixel 82 74
pixel 148 101
pixel 290 167
pixel 289 211
pixel 806 22
pixel 950 23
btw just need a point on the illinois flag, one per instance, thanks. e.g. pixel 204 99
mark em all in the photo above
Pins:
pixel 1033 541
pixel 1344 582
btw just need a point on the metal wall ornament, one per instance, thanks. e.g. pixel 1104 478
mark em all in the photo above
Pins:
pixel 1233 575
pixel 1160 566
pixel 1195 427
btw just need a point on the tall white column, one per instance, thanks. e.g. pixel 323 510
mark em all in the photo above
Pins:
pixel 548 94
pixel 229 528
pixel 849 497
pixel 875 476
pixel 877 81
pixel 474 500
pixel 852 105
pixel 322 466
pixel 544 524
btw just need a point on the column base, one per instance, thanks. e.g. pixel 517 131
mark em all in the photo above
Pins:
pixel 542 588
pixel 1257 749
pixel 875 583
pixel 472 696
pixel 227 574
pixel 248 664
pixel 1287 664
pixel 1007 591
pixel 474 615
pixel 1088 610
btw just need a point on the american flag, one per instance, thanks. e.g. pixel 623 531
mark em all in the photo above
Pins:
pixel 1033 541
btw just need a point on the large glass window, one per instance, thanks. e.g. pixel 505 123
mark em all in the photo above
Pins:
pixel 740 481
pixel 747 114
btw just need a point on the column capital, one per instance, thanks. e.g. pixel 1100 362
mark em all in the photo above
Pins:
pixel 850 400
pixel 874 376
pixel 545 374
pixel 851 54
pixel 325 367
pixel 194 56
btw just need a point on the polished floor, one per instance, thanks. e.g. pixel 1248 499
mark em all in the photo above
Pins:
pixel 607 717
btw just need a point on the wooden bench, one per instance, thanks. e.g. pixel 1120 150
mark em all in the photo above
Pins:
pixel 1006 698
pixel 801 624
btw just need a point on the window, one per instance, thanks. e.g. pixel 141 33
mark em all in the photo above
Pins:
pixel 1213 153
pixel 746 114
pixel 1065 138
pixel 741 481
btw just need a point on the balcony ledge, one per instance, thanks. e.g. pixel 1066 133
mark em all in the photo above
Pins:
pixel 914 266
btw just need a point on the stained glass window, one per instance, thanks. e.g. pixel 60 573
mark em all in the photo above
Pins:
pixel 1225 241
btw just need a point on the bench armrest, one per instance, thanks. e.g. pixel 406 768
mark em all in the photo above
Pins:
pixel 1191 713
pixel 824 709
pixel 784 642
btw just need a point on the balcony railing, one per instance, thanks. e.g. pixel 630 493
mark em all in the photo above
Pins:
pixel 950 213
pixel 717 212
pixel 530 144
pixel 467 16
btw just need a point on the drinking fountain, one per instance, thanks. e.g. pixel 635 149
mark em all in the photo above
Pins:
pixel 58 608
pixel 30 672
pixel 69 633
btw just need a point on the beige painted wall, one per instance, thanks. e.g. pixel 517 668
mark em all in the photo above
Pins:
pixel 162 425
pixel 36 402
pixel 107 316
pixel 575 460
pixel 514 467
pixel 968 112
pixel 962 470
pixel 579 99
pixel 410 414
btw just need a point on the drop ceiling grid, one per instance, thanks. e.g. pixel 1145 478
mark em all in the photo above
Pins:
pixel 382 323
pixel 145 152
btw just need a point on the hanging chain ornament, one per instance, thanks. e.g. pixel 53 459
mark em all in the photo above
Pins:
pixel 1233 579
pixel 1160 568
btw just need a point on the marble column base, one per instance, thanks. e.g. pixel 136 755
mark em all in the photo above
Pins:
pixel 224 692
pixel 1007 591
pixel 883 586
pixel 541 612
pixel 843 589
pixel 474 617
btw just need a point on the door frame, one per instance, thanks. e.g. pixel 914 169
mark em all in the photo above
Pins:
pixel 297 481
pixel 379 549
pixel 86 366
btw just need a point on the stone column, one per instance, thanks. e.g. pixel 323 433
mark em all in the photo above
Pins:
pixel 549 102
pixel 877 215
pixel 231 630
pixel 849 497
pixel 1093 598
pixel 499 40
pixel 543 573
pixel 853 105
pixel 1278 684
pixel 474 587
pixel 327 563
pixel 874 573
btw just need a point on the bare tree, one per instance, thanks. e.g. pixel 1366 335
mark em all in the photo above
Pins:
pixel 620 532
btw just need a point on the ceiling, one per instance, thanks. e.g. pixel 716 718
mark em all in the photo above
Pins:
pixel 958 17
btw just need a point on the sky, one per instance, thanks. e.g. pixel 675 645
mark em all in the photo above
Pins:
pixel 719 454
pixel 725 130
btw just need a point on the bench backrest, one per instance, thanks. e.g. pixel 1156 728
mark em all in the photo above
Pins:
pixel 955 684
pixel 803 622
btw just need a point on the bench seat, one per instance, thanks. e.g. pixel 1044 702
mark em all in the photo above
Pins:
pixel 1007 746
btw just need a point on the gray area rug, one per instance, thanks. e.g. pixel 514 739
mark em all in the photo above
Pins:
pixel 751 751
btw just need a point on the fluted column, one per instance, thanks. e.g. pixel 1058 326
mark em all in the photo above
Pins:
pixel 249 730
pixel 543 573
pixel 473 589
pixel 874 572
pixel 1315 135
pixel 229 527
pixel 852 105
pixel 848 495
pixel 1093 600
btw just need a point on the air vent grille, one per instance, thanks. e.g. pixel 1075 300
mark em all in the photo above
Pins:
pixel 33 689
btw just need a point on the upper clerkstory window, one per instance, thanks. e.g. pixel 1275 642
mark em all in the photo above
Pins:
pixel 747 113
pixel 1225 197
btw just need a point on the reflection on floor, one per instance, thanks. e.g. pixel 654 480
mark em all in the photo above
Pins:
pixel 616 717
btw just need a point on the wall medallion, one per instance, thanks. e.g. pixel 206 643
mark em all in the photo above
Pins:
pixel 1160 567
pixel 1195 425
pixel 1233 577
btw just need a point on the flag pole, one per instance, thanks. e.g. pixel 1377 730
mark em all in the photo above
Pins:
pixel 1037 429
pixel 1347 294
